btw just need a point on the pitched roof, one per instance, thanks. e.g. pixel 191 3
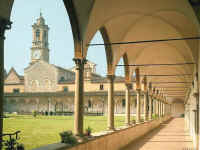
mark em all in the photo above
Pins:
pixel 64 69
pixel 20 77
pixel 57 67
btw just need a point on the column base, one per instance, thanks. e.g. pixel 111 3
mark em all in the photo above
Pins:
pixel 80 138
pixel 138 121
pixel 127 124
pixel 150 119
pixel 110 129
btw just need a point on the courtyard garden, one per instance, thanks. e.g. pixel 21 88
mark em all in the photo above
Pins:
pixel 43 130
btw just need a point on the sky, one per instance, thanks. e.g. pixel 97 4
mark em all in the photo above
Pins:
pixel 19 39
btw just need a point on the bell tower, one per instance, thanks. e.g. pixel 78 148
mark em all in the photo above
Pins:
pixel 40 45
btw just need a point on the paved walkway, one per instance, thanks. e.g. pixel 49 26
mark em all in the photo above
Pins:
pixel 170 136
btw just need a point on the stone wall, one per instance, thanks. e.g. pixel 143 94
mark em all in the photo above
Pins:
pixel 40 77
pixel 65 103
pixel 10 88
pixel 116 140
pixel 95 87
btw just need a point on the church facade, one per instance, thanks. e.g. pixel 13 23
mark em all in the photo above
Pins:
pixel 47 87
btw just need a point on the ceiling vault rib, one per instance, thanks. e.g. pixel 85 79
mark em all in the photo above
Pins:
pixel 174 91
pixel 166 75
pixel 145 41
pixel 174 96
pixel 170 82
pixel 179 87
pixel 147 65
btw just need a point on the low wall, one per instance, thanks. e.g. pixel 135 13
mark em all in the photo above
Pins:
pixel 113 140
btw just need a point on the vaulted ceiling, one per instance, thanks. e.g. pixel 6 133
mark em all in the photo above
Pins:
pixel 138 20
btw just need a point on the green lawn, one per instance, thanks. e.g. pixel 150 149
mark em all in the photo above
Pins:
pixel 43 130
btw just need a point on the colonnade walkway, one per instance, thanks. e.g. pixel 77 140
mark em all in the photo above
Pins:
pixel 169 136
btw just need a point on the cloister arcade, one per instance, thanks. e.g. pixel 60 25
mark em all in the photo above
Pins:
pixel 158 41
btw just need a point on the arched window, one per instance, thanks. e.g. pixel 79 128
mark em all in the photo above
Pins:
pixel 89 104
pixel 34 85
pixel 101 87
pixel 47 83
pixel 123 103
pixel 37 34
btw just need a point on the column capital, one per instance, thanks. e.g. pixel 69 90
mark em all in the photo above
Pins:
pixel 128 85
pixel 110 77
pixel 79 62
pixel 4 25
pixel 138 90
pixel 150 95
pixel 195 94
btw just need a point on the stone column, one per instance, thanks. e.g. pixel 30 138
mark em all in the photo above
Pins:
pixel 159 108
pixel 158 103
pixel 4 25
pixel 168 111
pixel 127 119
pixel 196 119
pixel 111 102
pixel 138 90
pixel 150 107
pixel 63 108
pixel 138 119
pixel 186 117
pixel 155 106
pixel 144 83
pixel 145 106
pixel 49 106
pixel 79 96
pixel 163 108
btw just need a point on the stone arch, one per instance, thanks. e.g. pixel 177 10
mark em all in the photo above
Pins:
pixel 34 85
pixel 47 83
pixel 108 50
pixel 75 28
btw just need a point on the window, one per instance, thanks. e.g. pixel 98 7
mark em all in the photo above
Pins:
pixel 65 89
pixel 101 87
pixel 47 83
pixel 45 35
pixel 34 85
pixel 37 34
pixel 62 78
pixel 89 104
pixel 16 90
pixel 123 103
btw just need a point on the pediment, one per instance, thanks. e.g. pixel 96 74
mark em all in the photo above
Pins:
pixel 13 77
